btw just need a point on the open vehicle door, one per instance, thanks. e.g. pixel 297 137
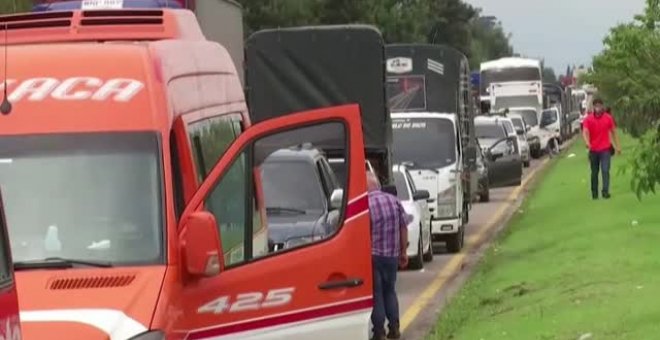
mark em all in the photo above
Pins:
pixel 9 321
pixel 505 163
pixel 319 286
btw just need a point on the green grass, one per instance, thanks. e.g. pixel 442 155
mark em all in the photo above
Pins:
pixel 567 265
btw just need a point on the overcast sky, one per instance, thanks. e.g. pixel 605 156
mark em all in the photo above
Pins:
pixel 561 31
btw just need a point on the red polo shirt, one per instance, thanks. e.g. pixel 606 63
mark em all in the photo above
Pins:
pixel 599 131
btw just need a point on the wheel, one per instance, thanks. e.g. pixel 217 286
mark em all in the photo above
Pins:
pixel 428 255
pixel 526 164
pixel 417 262
pixel 455 241
pixel 485 195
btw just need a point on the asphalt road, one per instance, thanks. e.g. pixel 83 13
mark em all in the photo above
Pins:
pixel 422 293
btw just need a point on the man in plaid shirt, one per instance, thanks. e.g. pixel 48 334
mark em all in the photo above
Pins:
pixel 389 240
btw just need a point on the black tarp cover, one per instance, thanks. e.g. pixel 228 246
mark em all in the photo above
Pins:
pixel 437 66
pixel 296 69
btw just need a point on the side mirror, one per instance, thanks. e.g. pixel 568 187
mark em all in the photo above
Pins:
pixel 421 195
pixel 201 245
pixel 520 132
pixel 390 189
pixel 336 199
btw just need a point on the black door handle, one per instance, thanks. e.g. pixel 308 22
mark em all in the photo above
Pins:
pixel 350 283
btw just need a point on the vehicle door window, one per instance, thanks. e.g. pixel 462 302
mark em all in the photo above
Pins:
pixel 413 188
pixel 5 273
pixel 325 179
pixel 210 138
pixel 288 224
pixel 401 187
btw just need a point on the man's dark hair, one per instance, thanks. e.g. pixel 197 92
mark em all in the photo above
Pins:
pixel 598 101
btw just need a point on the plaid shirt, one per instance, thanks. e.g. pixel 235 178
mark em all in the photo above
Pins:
pixel 387 220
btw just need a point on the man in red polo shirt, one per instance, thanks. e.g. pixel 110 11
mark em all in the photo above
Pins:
pixel 599 131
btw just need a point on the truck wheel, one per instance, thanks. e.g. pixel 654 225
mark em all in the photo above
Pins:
pixel 428 256
pixel 455 241
pixel 485 195
pixel 417 262
pixel 526 164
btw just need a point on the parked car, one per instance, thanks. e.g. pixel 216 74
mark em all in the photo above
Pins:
pixel 521 132
pixel 302 197
pixel 504 161
pixel 420 245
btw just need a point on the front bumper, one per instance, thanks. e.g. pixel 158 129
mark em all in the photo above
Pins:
pixel 445 226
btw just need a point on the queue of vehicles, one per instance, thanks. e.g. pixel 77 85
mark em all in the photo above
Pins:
pixel 198 202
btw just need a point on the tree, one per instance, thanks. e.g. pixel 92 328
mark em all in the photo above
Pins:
pixel 14 6
pixel 489 41
pixel 627 76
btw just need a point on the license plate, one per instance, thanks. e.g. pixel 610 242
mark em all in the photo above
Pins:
pixel 102 4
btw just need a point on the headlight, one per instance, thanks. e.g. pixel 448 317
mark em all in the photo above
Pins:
pixel 447 202
pixel 150 335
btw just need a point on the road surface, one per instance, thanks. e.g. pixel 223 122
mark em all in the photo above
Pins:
pixel 423 293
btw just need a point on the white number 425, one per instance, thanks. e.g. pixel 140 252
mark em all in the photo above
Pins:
pixel 248 301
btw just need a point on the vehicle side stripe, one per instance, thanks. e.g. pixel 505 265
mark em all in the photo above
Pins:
pixel 357 206
pixel 280 320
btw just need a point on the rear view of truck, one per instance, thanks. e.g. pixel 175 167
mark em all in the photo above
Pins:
pixel 297 69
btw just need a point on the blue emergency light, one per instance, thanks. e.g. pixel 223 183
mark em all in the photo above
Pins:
pixel 132 4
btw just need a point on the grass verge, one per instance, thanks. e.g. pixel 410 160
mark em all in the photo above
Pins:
pixel 567 266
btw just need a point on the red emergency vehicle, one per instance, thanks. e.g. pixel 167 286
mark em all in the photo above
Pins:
pixel 130 172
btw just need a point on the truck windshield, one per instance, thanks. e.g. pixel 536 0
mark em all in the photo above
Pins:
pixel 428 143
pixel 507 74
pixel 489 131
pixel 548 117
pixel 89 197
pixel 529 116
pixel 401 186
pixel 291 186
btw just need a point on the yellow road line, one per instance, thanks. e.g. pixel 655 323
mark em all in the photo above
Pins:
pixel 453 266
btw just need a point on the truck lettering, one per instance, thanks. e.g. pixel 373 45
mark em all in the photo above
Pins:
pixel 73 89
pixel 248 301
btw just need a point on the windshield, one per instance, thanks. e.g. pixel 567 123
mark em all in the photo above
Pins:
pixel 406 93
pixel 508 126
pixel 530 116
pixel 83 196
pixel 487 130
pixel 518 123
pixel 507 74
pixel 428 143
pixel 401 186
pixel 548 117
pixel 292 185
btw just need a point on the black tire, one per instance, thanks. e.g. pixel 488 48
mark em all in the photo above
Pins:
pixel 455 241
pixel 526 164
pixel 428 256
pixel 485 196
pixel 417 262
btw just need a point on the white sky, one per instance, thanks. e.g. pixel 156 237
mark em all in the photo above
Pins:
pixel 561 31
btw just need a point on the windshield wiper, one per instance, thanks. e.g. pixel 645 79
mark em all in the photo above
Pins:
pixel 59 263
pixel 279 210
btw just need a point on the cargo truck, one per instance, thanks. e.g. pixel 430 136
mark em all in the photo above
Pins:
pixel 294 69
pixel 433 125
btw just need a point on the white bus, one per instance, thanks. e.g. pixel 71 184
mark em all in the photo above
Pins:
pixel 511 69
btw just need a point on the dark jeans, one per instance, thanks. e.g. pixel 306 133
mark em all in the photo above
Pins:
pixel 600 161
pixel 386 303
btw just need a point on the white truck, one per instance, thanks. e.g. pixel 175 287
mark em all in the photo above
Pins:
pixel 522 97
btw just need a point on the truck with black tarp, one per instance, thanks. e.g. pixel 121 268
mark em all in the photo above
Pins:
pixel 304 68
pixel 429 95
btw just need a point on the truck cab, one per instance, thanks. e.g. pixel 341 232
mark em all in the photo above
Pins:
pixel 10 327
pixel 429 145
pixel 159 228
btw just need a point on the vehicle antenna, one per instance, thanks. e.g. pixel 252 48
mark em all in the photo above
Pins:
pixel 5 107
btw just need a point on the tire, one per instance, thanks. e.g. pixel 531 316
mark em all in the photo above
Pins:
pixel 455 241
pixel 417 262
pixel 526 164
pixel 428 256
pixel 485 196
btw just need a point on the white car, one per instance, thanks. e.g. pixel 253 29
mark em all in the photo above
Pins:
pixel 420 245
pixel 521 132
